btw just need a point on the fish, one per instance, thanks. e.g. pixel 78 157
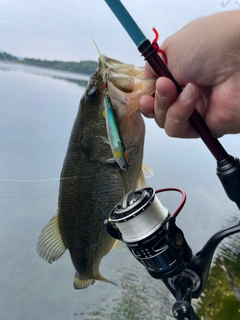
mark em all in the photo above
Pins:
pixel 91 181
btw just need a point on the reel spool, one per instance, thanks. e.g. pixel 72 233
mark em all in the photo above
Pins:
pixel 150 233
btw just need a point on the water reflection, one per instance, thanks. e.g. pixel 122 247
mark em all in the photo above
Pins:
pixel 138 297
pixel 79 79
pixel 81 83
pixel 37 114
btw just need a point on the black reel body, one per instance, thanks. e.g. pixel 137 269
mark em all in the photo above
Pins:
pixel 163 256
pixel 150 233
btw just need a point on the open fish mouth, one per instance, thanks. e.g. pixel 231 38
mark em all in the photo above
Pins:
pixel 124 76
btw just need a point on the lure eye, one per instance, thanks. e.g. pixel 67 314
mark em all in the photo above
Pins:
pixel 93 95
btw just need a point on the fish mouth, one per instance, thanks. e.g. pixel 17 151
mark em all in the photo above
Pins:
pixel 121 75
pixel 122 68
pixel 110 62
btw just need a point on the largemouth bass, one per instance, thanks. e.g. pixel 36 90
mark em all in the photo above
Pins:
pixel 91 181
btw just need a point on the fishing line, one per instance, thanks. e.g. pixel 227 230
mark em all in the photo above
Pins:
pixel 40 180
pixel 4 56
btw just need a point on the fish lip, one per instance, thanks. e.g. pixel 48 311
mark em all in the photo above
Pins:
pixel 109 61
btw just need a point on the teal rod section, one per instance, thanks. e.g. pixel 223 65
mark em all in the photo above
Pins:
pixel 127 21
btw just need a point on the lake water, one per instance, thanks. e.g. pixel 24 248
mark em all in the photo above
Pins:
pixel 38 108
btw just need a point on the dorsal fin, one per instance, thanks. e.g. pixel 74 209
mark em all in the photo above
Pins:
pixel 100 56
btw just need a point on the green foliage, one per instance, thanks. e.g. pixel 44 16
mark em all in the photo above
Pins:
pixel 6 56
pixel 85 67
pixel 218 301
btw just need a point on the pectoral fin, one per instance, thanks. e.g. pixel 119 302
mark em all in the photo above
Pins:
pixel 50 245
pixel 147 171
pixel 144 172
pixel 141 182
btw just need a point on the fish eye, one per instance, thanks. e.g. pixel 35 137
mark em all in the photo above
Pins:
pixel 93 94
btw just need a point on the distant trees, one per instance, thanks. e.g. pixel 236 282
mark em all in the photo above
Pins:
pixel 86 67
pixel 6 56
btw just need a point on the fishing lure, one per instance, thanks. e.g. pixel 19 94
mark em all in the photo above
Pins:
pixel 114 134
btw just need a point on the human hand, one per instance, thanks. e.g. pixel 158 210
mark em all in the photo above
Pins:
pixel 204 58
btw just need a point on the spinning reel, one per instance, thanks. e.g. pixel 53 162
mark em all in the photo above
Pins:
pixel 151 235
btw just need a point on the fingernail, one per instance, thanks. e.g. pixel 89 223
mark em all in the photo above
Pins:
pixel 160 94
pixel 147 114
pixel 187 93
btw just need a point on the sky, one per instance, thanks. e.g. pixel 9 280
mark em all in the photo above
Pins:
pixel 64 29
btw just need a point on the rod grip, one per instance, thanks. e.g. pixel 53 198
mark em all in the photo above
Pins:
pixel 150 54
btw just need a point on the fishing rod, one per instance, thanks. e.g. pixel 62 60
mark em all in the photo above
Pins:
pixel 228 167
pixel 147 228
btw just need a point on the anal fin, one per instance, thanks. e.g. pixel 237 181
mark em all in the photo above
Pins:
pixel 80 284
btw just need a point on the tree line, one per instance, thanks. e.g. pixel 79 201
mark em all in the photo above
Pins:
pixel 86 67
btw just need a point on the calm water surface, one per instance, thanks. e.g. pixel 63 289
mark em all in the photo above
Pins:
pixel 38 108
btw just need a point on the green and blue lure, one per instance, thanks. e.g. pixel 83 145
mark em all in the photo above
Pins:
pixel 113 131
pixel 114 135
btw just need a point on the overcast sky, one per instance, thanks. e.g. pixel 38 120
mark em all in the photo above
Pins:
pixel 63 29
